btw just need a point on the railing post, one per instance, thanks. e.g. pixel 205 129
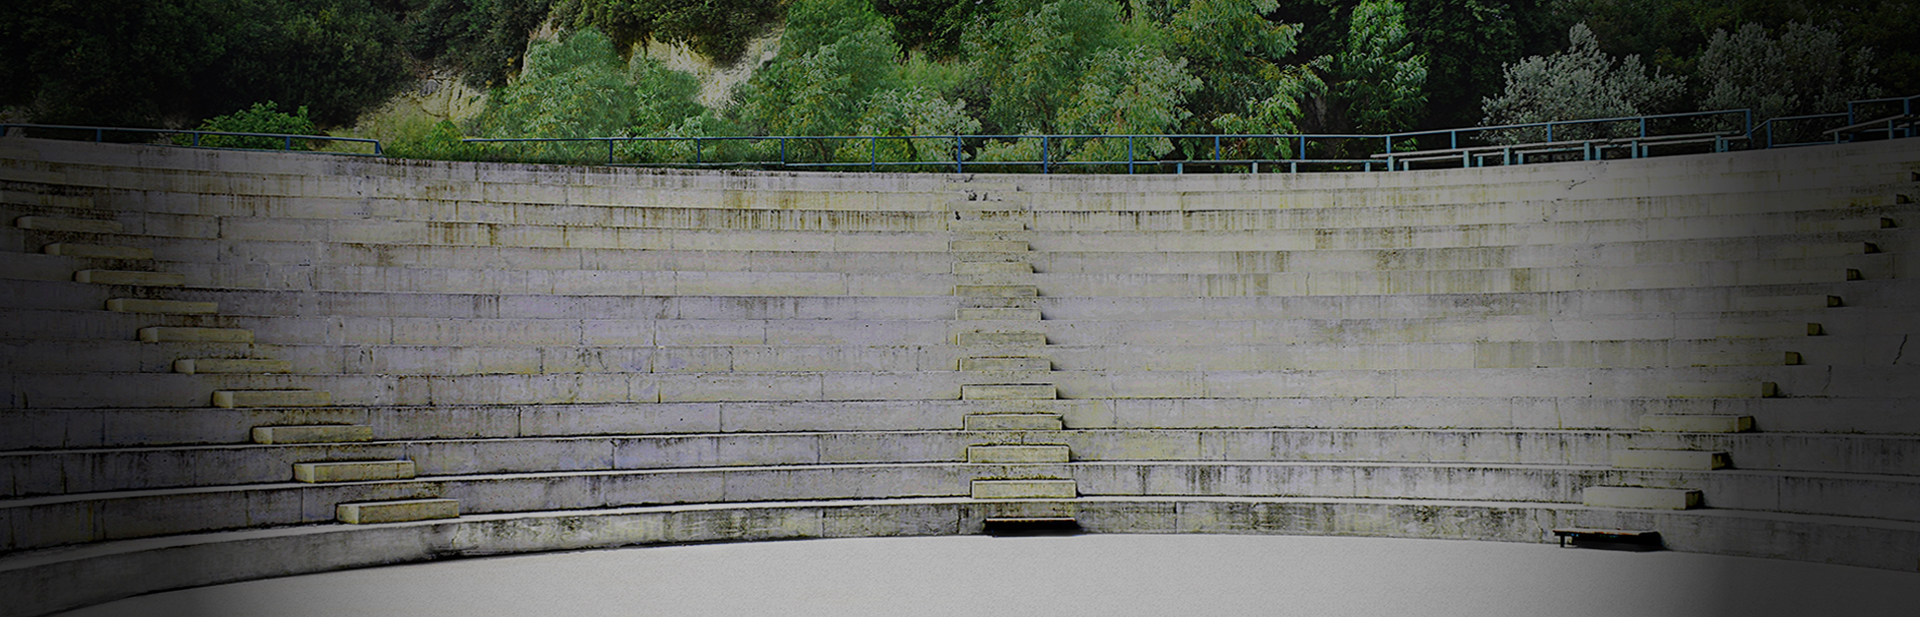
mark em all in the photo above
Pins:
pixel 1129 154
pixel 873 154
pixel 783 152
pixel 609 150
pixel 1046 162
pixel 289 144
pixel 99 136
pixel 1216 147
pixel 1549 131
pixel 958 166
pixel 697 141
pixel 196 139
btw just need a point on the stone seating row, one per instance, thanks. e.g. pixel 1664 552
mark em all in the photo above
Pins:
pixel 60 355
pixel 65 519
pixel 185 212
pixel 29 473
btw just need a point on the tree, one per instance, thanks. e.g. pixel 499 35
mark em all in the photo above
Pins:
pixel 1578 83
pixel 837 54
pixel 574 88
pixel 1127 90
pixel 1032 54
pixel 718 29
pixel 1806 70
pixel 907 111
pixel 1234 50
pixel 1375 82
pixel 261 118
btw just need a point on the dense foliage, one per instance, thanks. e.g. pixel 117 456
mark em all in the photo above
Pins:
pixel 897 68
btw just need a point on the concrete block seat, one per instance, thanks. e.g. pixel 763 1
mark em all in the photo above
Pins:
pixel 116 515
pixel 43 472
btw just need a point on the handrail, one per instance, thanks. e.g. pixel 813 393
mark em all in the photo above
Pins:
pixel 1362 151
pixel 99 135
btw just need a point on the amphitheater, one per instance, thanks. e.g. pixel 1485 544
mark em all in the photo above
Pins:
pixel 226 366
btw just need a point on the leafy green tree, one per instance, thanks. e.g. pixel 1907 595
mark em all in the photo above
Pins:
pixel 665 97
pixel 1127 90
pixel 1031 54
pixel 718 29
pixel 1278 114
pixel 841 53
pixel 1579 83
pixel 1234 50
pixel 903 112
pixel 1806 70
pixel 1376 82
pixel 1466 42
pixel 483 39
pixel 261 118
pixel 933 26
pixel 573 88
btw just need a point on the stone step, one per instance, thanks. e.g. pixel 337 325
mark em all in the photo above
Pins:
pixel 1002 338
pixel 192 366
pixel 1006 363
pixel 988 246
pixel 352 471
pixel 229 399
pixel 1691 460
pixel 1017 454
pixel 366 513
pixel 1827 250
pixel 312 433
pixel 981 226
pixel 174 334
pixel 1747 358
pixel 1787 303
pixel 1800 277
pixel 1767 330
pixel 1019 391
pixel 992 267
pixel 1696 424
pixel 163 307
pixel 130 277
pixel 54 223
pixel 996 291
pixel 1640 497
pixel 96 251
pixel 1025 489
pixel 1000 314
pixel 1724 389
pixel 1012 422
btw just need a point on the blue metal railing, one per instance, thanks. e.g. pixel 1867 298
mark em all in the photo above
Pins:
pixel 1589 139
pixel 196 137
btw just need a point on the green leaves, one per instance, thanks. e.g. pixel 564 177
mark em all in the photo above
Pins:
pixel 261 118
pixel 1806 70
pixel 1578 83
pixel 1127 90
pixel 1379 77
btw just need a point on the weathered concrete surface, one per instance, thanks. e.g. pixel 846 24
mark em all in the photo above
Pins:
pixel 1095 574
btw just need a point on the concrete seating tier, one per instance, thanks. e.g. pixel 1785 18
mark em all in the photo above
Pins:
pixel 224 353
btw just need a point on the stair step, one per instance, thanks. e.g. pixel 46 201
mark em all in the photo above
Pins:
pixel 1696 424
pixel 352 471
pixel 1012 422
pixel 1640 497
pixel 987 246
pixel 314 433
pixel 1001 392
pixel 228 399
pixel 130 277
pixel 1025 489
pixel 1841 249
pixel 1693 460
pixel 192 366
pixel 1767 330
pixel 96 251
pixel 54 223
pixel 1787 303
pixel 1017 454
pixel 1724 389
pixel 166 307
pixel 996 291
pixel 171 334
pixel 1006 363
pixel 1747 358
pixel 396 511
pixel 1000 314
pixel 1799 277
pixel 1002 338
pixel 986 226
pixel 992 267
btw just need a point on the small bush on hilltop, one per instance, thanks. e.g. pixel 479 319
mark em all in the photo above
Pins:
pixel 261 118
